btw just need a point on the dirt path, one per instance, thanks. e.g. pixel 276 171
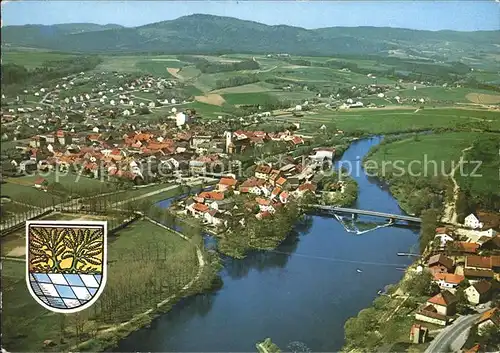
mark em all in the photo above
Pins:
pixel 450 209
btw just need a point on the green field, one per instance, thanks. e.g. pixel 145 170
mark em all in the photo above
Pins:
pixel 169 62
pixel 378 121
pixel 203 109
pixel 444 149
pixel 250 88
pixel 156 68
pixel 145 234
pixel 32 59
pixel 189 72
pixel 246 98
pixel 30 195
pixel 440 94
pixel 21 189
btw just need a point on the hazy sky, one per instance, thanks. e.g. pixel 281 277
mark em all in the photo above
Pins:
pixel 464 15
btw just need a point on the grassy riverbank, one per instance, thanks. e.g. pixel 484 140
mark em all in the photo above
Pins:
pixel 418 168
pixel 138 252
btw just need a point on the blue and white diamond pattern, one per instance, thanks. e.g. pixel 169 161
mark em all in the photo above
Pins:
pixel 65 291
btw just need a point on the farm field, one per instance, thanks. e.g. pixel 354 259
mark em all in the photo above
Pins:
pixel 32 59
pixel 126 241
pixel 128 194
pixel 444 149
pixel 156 68
pixel 250 88
pixel 247 98
pixel 206 110
pixel 378 121
pixel 440 94
pixel 71 183
pixel 30 195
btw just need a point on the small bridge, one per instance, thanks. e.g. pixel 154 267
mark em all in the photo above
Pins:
pixel 355 211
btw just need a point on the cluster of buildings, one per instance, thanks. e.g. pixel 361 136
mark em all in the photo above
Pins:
pixel 123 151
pixel 469 256
pixel 268 189
pixel 93 96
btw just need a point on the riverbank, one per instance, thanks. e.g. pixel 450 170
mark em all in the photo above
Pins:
pixel 385 325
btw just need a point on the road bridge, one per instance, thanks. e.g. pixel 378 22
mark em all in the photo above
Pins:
pixel 356 211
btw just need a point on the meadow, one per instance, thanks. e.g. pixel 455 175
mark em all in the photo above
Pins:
pixel 32 59
pixel 445 149
pixel 379 121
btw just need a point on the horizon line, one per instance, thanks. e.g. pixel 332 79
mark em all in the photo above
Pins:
pixel 252 21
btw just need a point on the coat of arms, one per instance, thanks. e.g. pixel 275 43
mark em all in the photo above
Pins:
pixel 66 263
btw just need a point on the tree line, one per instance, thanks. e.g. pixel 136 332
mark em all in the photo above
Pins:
pixel 236 81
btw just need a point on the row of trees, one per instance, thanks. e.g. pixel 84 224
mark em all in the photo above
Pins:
pixel 236 81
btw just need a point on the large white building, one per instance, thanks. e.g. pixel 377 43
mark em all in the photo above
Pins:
pixel 471 221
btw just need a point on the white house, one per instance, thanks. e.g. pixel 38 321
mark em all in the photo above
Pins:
pixel 478 292
pixel 172 101
pixel 471 221
pixel 180 119
pixel 151 104
pixel 443 239
pixel 112 102
pixel 126 112
pixel 95 129
pixel 448 280
pixel 212 217
pixel 298 108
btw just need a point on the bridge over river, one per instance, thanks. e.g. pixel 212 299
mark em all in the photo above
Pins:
pixel 355 211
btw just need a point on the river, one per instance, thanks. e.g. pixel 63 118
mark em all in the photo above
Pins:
pixel 303 291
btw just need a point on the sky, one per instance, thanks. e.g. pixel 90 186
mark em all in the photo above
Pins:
pixel 461 15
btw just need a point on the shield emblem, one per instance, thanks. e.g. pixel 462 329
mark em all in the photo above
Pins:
pixel 66 263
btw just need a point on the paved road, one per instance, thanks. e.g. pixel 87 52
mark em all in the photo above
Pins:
pixel 455 332
pixel 455 335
